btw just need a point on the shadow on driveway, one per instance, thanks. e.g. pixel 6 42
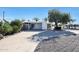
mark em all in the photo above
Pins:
pixel 51 34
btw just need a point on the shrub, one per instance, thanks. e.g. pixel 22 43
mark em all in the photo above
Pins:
pixel 1 36
pixel 16 24
pixel 15 29
pixel 1 23
pixel 1 28
pixel 6 29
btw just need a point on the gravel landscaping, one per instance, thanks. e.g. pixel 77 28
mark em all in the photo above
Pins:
pixel 61 44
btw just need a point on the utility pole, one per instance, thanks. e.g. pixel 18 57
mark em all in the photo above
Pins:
pixel 3 15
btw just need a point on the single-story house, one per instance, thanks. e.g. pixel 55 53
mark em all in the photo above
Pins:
pixel 33 25
pixel 72 26
pixel 39 25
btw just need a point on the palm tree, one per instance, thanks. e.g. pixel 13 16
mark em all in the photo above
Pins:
pixel 46 19
pixel 36 19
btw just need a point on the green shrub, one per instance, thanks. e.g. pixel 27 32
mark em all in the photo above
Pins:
pixel 6 28
pixel 16 24
pixel 9 28
pixel 15 29
pixel 1 23
pixel 1 27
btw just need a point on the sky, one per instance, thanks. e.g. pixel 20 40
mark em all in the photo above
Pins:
pixel 26 13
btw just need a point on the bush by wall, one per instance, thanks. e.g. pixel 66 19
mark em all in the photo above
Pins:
pixel 6 28
pixel 9 28
pixel 16 25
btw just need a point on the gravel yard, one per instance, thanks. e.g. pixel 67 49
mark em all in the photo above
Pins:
pixel 60 44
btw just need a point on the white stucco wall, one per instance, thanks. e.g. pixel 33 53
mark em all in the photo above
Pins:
pixel 44 25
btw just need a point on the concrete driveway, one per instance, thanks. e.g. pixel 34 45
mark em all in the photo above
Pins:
pixel 20 42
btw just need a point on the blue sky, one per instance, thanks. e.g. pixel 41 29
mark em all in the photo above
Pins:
pixel 12 13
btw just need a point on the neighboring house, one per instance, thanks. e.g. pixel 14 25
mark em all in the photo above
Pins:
pixel 72 26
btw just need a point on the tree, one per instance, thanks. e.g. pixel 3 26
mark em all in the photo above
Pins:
pixel 54 16
pixel 36 19
pixel 58 17
pixel 66 18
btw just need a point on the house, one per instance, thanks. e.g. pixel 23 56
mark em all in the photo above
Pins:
pixel 33 25
pixel 39 25
pixel 72 26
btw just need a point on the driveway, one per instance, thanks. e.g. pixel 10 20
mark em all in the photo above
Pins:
pixel 20 42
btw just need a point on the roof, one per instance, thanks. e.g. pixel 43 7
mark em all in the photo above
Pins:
pixel 31 22
pixel 38 22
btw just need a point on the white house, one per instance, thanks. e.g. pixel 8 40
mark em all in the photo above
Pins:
pixel 39 25
pixel 33 25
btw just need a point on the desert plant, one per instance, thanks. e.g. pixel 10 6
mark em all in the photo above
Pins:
pixel 15 29
pixel 6 29
pixel 1 23
pixel 16 22
pixel 9 28
pixel 1 26
pixel 1 36
pixel 17 25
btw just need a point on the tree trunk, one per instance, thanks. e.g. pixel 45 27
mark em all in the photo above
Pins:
pixel 56 24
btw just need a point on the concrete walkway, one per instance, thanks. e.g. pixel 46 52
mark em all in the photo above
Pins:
pixel 19 42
